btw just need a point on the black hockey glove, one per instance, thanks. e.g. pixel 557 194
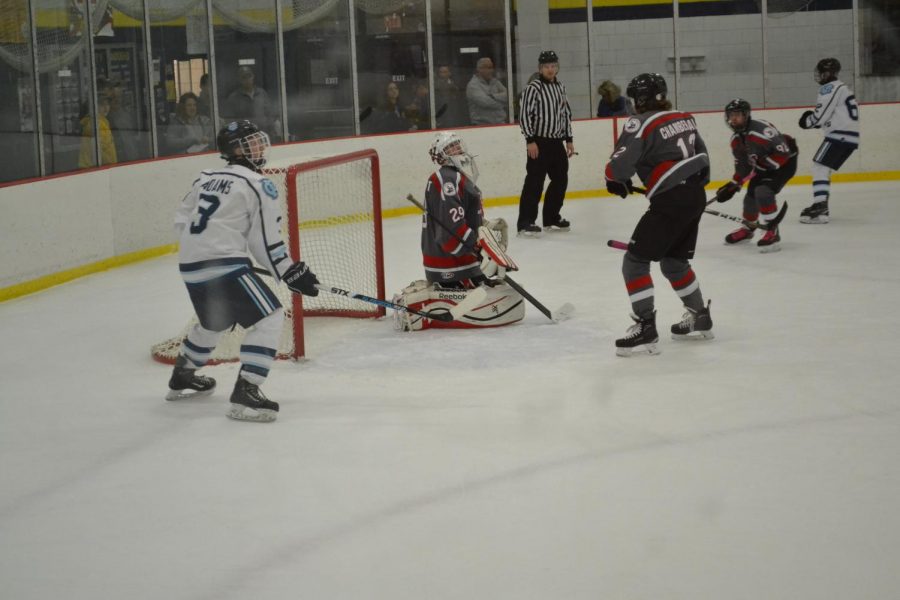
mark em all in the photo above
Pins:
pixel 618 188
pixel 301 280
pixel 727 191
pixel 803 118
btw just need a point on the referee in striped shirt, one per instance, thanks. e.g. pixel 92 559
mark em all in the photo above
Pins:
pixel 546 121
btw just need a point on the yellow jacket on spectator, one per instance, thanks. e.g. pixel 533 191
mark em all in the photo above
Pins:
pixel 107 145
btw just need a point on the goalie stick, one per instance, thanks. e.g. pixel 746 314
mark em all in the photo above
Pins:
pixel 561 314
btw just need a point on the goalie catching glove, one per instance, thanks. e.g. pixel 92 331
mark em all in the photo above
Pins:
pixel 495 262
pixel 301 280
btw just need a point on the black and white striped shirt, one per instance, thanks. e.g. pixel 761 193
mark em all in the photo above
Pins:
pixel 544 111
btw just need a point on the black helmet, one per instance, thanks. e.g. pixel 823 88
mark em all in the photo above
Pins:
pixel 738 105
pixel 548 56
pixel 252 142
pixel 646 87
pixel 827 70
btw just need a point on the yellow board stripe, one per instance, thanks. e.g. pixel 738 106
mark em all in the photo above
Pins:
pixel 48 281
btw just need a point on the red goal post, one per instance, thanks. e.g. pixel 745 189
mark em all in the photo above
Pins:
pixel 331 208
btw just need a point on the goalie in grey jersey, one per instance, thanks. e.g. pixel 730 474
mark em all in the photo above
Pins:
pixel 460 251
pixel 837 115
pixel 230 215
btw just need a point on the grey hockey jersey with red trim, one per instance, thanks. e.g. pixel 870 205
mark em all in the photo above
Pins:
pixel 452 202
pixel 762 148
pixel 664 148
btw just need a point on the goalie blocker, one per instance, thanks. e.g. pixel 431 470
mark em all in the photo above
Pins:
pixel 502 306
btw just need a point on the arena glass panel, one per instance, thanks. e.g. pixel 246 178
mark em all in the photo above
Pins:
pixel 247 64
pixel 463 32
pixel 318 71
pixel 179 45
pixel 18 119
pixel 392 63
pixel 720 53
pixel 878 79
pixel 121 77
pixel 797 40
pixel 627 40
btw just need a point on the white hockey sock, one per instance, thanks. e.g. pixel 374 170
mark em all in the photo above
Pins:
pixel 821 182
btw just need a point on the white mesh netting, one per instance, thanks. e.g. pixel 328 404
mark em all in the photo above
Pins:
pixel 339 215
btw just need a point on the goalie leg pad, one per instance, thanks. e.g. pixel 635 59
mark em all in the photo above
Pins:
pixel 502 306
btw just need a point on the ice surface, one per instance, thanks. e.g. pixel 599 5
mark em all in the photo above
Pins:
pixel 524 462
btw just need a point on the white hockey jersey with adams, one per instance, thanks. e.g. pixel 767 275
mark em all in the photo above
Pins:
pixel 230 213
pixel 837 112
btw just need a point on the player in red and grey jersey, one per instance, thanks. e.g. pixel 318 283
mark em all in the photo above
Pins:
pixel 768 159
pixel 666 151
pixel 452 204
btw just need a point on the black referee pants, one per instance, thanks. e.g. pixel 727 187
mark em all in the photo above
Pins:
pixel 552 161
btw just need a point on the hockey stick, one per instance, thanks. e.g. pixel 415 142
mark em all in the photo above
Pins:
pixel 440 314
pixel 748 224
pixel 564 312
pixel 617 244
pixel 752 224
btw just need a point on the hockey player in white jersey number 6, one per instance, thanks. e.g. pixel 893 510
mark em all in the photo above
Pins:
pixel 460 252
pixel 230 215
pixel 837 115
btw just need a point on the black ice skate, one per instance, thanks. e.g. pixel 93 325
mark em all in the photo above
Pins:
pixel 529 231
pixel 560 225
pixel 815 214
pixel 641 336
pixel 249 404
pixel 694 325
pixel 770 242
pixel 185 383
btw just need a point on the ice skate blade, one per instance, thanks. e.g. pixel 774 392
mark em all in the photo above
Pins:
pixel 239 412
pixel 187 394
pixel 650 349
pixel 556 229
pixel 820 220
pixel 771 248
pixel 693 336
pixel 529 234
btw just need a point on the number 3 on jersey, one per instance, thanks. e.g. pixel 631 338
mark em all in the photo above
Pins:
pixel 207 205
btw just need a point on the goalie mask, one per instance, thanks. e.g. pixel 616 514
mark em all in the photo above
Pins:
pixel 448 149
pixel 243 143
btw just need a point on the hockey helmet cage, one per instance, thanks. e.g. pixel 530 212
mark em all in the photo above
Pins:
pixel 548 56
pixel 647 87
pixel 738 105
pixel 448 149
pixel 245 136
pixel 827 70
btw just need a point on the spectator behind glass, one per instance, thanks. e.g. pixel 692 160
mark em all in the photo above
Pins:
pixel 204 100
pixel 107 145
pixel 188 131
pixel 123 124
pixel 449 102
pixel 252 103
pixel 486 95
pixel 418 112
pixel 612 103
pixel 389 117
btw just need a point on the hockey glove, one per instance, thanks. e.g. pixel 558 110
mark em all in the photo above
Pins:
pixel 727 191
pixel 301 280
pixel 619 188
pixel 804 117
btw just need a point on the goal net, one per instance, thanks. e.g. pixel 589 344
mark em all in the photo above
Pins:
pixel 331 208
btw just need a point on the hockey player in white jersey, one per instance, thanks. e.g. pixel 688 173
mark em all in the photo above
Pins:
pixel 230 215
pixel 837 115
